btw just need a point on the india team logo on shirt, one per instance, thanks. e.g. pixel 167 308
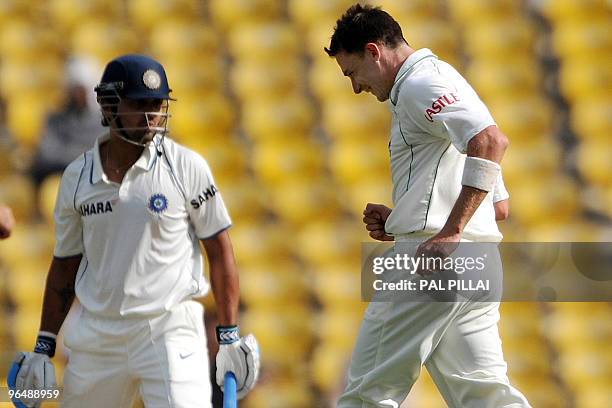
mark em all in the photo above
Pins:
pixel 158 203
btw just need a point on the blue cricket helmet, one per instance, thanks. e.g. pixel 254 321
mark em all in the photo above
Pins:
pixel 134 76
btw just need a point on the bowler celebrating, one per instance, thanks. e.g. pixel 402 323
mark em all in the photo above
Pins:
pixel 130 216
pixel 445 152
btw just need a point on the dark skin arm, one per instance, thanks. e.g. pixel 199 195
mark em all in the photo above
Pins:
pixel 223 277
pixel 489 144
pixel 59 292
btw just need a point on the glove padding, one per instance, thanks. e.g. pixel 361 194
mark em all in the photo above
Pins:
pixel 241 358
pixel 36 372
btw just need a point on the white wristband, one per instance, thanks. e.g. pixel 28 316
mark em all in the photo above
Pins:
pixel 48 334
pixel 480 173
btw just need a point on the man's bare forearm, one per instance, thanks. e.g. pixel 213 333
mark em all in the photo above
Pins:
pixel 59 292
pixel 466 205
pixel 224 282
pixel 489 144
pixel 223 278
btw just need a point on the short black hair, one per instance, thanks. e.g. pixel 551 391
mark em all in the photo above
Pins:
pixel 360 25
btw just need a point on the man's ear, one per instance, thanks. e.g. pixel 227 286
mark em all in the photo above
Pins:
pixel 374 50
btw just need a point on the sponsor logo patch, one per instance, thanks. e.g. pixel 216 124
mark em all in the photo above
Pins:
pixel 204 196
pixel 100 207
pixel 439 104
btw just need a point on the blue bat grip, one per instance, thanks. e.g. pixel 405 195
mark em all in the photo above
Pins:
pixel 229 391
pixel 11 379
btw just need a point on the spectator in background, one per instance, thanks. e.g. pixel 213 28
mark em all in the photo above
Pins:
pixel 6 139
pixel 74 128
pixel 7 221
pixel 8 147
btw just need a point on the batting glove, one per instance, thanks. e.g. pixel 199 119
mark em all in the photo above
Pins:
pixel 238 355
pixel 34 370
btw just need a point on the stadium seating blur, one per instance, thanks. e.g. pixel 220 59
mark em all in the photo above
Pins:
pixel 297 156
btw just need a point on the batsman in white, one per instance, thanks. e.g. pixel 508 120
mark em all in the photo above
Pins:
pixel 445 152
pixel 130 216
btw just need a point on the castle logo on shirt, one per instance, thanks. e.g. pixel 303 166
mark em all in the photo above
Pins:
pixel 439 104
pixel 204 196
pixel 100 207
pixel 158 203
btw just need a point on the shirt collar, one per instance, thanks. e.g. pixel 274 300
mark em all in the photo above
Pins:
pixel 145 161
pixel 410 62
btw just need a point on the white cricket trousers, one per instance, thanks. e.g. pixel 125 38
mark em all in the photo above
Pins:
pixel 458 342
pixel 164 358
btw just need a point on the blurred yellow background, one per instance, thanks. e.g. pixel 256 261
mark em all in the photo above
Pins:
pixel 297 156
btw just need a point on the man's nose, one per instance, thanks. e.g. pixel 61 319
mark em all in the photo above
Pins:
pixel 149 119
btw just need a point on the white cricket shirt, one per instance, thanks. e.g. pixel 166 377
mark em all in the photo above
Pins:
pixel 435 113
pixel 140 238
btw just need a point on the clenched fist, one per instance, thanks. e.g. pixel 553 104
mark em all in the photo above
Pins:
pixel 374 217
pixel 7 221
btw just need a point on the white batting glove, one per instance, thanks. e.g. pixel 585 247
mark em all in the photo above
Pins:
pixel 35 370
pixel 238 355
pixel 36 373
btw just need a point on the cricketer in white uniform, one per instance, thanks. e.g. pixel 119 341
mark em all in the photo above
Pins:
pixel 130 216
pixel 445 151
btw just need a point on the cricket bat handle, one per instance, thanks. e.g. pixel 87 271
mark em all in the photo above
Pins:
pixel 229 391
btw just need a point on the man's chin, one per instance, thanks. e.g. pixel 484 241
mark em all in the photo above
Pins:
pixel 145 136
pixel 141 138
pixel 148 137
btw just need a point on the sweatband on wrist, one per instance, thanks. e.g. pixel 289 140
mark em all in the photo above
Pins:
pixel 480 173
pixel 45 343
pixel 227 334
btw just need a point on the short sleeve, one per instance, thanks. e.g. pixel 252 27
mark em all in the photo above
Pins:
pixel 500 193
pixel 68 223
pixel 206 208
pixel 446 110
